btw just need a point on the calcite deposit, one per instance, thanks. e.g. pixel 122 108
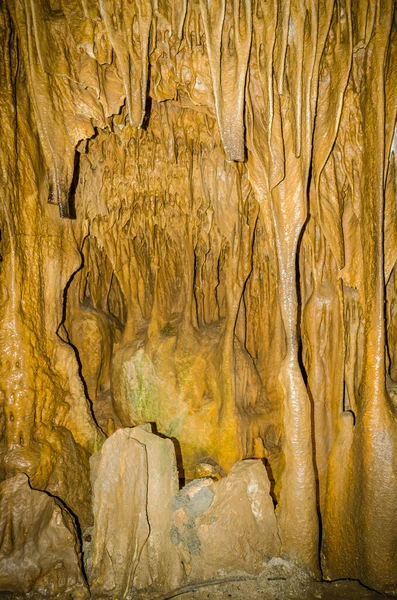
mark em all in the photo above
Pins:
pixel 39 547
pixel 198 205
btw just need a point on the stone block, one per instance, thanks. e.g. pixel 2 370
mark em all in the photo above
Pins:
pixel 226 526
pixel 134 480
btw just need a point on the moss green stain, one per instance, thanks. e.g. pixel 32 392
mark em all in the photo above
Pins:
pixel 175 426
pixel 168 330
pixel 146 393
pixel 143 389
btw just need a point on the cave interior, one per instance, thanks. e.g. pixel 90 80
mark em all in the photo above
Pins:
pixel 198 297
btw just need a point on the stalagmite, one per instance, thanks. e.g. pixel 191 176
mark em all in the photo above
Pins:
pixel 225 271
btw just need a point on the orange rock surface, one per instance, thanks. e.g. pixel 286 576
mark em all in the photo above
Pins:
pixel 225 265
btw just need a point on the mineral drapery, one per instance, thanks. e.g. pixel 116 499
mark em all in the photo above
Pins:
pixel 225 264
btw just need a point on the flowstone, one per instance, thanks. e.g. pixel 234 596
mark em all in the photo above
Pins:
pixel 39 549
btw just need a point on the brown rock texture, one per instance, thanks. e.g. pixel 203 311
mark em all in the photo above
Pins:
pixel 198 230
pixel 39 549
pixel 134 480
pixel 228 526
pixel 160 567
pixel 119 477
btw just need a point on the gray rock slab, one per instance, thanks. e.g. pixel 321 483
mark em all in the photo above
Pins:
pixel 228 526
pixel 119 478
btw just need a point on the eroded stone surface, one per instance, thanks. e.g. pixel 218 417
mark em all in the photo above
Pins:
pixel 134 480
pixel 228 526
pixel 39 548
pixel 159 565
pixel 119 475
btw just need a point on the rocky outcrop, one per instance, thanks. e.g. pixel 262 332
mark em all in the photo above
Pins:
pixel 147 535
pixel 159 566
pixel 39 548
pixel 119 478
pixel 228 526
pixel 134 479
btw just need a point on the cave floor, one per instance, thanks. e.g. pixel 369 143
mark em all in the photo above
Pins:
pixel 276 590
pixel 255 589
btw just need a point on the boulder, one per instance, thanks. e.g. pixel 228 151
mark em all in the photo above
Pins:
pixel 160 566
pixel 226 526
pixel 134 480
pixel 119 479
pixel 39 548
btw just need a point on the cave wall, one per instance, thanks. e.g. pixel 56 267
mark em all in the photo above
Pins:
pixel 225 264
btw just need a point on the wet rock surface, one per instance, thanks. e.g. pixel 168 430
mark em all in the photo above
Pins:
pixel 198 208
pixel 226 526
pixel 134 479
pixel 39 546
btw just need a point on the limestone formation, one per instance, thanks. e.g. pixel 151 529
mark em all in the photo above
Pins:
pixel 160 567
pixel 119 477
pixel 228 526
pixel 134 480
pixel 39 547
pixel 198 230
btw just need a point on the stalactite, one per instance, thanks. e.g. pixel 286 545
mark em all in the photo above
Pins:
pixel 127 25
pixel 228 29
pixel 371 456
pixel 227 272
